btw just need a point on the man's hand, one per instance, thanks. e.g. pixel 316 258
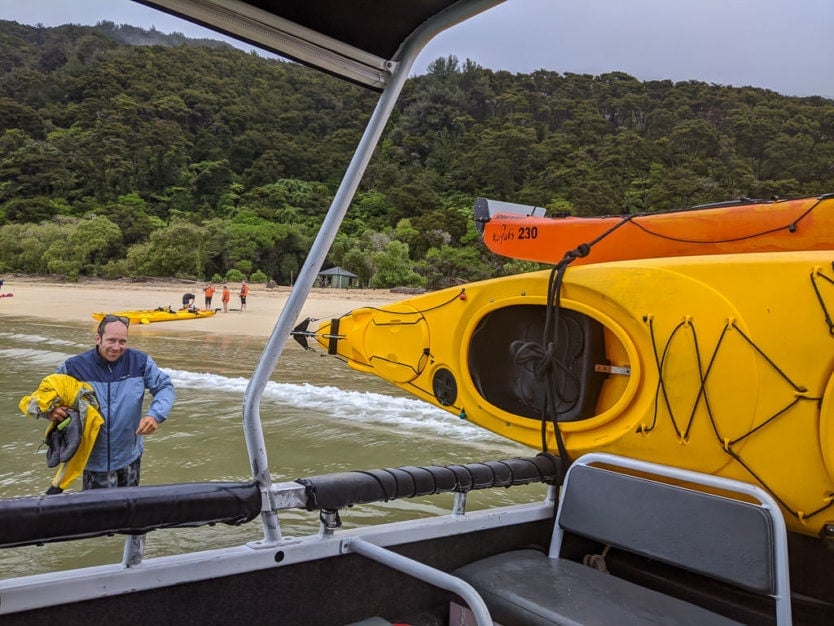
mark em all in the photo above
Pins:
pixel 58 414
pixel 147 426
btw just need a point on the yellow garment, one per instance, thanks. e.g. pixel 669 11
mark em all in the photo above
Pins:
pixel 61 390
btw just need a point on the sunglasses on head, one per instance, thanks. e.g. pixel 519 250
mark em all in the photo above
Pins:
pixel 111 318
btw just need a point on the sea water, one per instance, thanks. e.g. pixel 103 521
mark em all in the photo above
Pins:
pixel 318 416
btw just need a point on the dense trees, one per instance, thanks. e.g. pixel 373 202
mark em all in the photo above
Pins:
pixel 187 160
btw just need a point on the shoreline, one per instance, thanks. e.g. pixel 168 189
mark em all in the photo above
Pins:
pixel 45 298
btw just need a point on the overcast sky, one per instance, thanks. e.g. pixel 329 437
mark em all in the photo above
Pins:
pixel 783 45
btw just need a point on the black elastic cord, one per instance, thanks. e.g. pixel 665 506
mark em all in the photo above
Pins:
pixel 704 374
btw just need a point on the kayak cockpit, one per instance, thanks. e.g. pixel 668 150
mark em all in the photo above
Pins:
pixel 507 346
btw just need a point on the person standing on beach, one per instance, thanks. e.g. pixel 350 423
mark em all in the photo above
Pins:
pixel 244 291
pixel 227 295
pixel 187 300
pixel 209 293
pixel 120 377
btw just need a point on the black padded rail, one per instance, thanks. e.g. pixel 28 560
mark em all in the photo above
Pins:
pixel 334 491
pixel 135 510
pixel 129 510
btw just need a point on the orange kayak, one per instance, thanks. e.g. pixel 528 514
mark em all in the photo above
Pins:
pixel 522 232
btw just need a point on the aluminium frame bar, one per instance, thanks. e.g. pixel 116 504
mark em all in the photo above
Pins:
pixel 423 572
pixel 251 24
pixel 399 69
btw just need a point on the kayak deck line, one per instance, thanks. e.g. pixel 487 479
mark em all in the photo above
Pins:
pixel 727 444
pixel 817 273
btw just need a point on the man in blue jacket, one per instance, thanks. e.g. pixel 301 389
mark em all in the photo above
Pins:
pixel 120 376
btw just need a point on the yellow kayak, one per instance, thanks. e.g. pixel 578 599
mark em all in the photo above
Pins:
pixel 720 364
pixel 148 316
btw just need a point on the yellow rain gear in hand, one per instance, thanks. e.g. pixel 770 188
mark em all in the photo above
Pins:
pixel 61 390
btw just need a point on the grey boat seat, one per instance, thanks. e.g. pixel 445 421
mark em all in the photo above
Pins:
pixel 742 543
pixel 525 587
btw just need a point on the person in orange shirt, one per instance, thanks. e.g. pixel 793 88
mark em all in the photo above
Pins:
pixel 227 295
pixel 209 293
pixel 244 291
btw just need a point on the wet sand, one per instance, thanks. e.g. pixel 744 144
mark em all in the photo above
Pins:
pixel 76 302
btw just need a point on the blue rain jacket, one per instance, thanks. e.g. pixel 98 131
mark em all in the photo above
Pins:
pixel 120 389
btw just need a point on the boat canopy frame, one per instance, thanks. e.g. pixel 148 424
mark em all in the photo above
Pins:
pixel 346 40
pixel 362 41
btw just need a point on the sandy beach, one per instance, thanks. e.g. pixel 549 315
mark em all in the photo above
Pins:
pixel 76 302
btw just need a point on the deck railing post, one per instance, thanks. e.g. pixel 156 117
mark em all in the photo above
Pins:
pixel 134 550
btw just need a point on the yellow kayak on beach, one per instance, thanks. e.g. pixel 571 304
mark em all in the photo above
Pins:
pixel 720 364
pixel 161 314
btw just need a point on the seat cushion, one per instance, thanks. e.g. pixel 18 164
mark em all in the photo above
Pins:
pixel 525 587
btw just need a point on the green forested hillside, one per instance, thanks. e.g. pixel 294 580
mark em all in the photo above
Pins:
pixel 190 161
